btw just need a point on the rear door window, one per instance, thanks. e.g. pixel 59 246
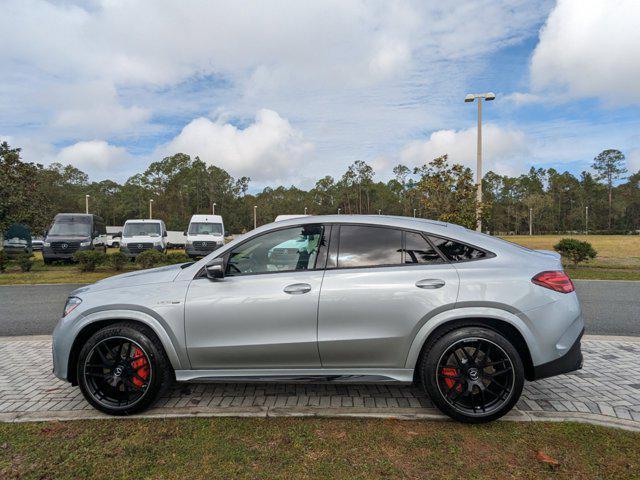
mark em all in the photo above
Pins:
pixel 366 246
pixel 418 250
pixel 457 251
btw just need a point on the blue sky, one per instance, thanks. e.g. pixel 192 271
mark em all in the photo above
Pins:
pixel 287 92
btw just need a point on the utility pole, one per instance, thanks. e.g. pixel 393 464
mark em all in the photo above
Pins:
pixel 255 217
pixel 150 208
pixel 470 98
pixel 214 208
pixel 530 221
pixel 86 203
pixel 586 220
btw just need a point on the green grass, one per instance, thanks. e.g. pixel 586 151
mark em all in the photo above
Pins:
pixel 313 448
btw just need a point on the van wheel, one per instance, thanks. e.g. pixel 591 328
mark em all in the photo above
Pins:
pixel 122 369
pixel 472 374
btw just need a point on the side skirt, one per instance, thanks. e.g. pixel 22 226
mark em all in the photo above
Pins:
pixel 311 375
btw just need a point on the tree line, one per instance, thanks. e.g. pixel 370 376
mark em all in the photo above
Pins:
pixel 181 186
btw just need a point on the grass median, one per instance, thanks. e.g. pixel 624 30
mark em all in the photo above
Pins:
pixel 314 448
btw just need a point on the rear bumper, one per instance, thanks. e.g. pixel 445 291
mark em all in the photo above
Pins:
pixel 570 361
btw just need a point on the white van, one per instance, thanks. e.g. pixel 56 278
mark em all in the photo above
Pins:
pixel 204 235
pixel 141 235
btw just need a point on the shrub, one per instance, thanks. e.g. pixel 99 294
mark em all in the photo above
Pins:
pixel 118 260
pixel 176 257
pixel 25 261
pixel 575 250
pixel 3 261
pixel 89 259
pixel 150 258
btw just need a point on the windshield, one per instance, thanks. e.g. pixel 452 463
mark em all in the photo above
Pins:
pixel 141 229
pixel 80 227
pixel 205 228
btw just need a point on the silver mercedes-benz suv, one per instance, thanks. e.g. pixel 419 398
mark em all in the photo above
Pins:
pixel 337 298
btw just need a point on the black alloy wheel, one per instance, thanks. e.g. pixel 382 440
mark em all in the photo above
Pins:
pixel 473 374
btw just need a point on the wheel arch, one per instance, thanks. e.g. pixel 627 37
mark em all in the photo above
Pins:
pixel 91 327
pixel 434 330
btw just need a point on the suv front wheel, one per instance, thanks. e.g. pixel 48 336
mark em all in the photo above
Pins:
pixel 122 369
pixel 472 374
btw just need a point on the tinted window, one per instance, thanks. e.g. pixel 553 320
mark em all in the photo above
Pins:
pixel 283 250
pixel 456 251
pixel 201 228
pixel 67 225
pixel 363 246
pixel 142 229
pixel 418 250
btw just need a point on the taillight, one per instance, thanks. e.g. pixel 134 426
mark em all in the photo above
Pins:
pixel 555 280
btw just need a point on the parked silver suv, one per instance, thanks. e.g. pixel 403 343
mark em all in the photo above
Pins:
pixel 334 298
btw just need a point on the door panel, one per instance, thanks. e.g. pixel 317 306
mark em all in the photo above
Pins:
pixel 369 316
pixel 252 322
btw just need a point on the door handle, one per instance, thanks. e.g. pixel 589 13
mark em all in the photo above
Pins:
pixel 297 288
pixel 430 283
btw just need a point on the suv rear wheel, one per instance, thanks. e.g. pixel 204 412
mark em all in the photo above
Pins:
pixel 472 374
pixel 122 369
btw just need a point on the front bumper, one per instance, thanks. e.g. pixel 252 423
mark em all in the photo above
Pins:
pixel 192 251
pixel 569 362
pixel 49 254
pixel 131 254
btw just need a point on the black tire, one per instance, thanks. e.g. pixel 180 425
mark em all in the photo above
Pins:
pixel 472 374
pixel 102 386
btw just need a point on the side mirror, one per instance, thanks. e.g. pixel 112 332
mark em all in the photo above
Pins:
pixel 226 233
pixel 215 268
pixel 165 233
pixel 118 235
pixel 184 233
pixel 44 233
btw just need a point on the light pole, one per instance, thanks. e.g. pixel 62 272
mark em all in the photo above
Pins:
pixel 213 207
pixel 338 211
pixel 255 217
pixel 530 221
pixel 414 213
pixel 379 212
pixel 150 208
pixel 470 98
pixel 305 210
pixel 86 203
pixel 586 220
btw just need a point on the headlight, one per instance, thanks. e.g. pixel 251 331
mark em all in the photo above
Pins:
pixel 46 244
pixel 123 243
pixel 72 303
pixel 188 243
pixel 85 244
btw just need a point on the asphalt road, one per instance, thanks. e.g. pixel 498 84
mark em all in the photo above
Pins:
pixel 609 307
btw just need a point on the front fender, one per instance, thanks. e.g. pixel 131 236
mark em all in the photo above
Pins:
pixel 497 312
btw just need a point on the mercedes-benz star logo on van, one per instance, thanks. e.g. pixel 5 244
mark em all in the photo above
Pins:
pixel 139 245
pixel 64 245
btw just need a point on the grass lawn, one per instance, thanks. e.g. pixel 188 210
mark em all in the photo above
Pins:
pixel 618 255
pixel 313 448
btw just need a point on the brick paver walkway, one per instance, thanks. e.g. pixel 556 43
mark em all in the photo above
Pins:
pixel 608 386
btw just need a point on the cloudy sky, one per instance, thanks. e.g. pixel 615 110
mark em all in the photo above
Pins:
pixel 289 91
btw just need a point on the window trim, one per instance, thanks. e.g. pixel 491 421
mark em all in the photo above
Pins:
pixel 227 254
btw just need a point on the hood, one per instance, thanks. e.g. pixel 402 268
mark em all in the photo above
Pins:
pixel 132 279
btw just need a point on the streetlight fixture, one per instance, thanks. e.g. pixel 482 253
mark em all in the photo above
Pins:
pixel 213 208
pixel 338 211
pixel 470 98
pixel 86 203
pixel 255 217
pixel 305 210
pixel 150 208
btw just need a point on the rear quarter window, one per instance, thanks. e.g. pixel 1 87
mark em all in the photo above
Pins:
pixel 457 251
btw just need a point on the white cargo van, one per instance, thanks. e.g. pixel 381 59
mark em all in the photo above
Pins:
pixel 141 235
pixel 204 235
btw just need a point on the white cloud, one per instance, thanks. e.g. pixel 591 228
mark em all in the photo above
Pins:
pixel 92 155
pixel 633 161
pixel 505 150
pixel 268 149
pixel 588 49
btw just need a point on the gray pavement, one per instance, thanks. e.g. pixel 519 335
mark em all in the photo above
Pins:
pixel 610 307
pixel 599 393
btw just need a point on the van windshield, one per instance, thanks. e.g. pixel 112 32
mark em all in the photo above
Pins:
pixel 72 226
pixel 197 228
pixel 141 229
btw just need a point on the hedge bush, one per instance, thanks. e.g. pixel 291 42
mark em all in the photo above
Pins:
pixel 89 259
pixel 175 257
pixel 118 260
pixel 25 261
pixel 150 258
pixel 3 261
pixel 575 250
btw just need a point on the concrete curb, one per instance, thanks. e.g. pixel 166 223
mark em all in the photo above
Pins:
pixel 431 414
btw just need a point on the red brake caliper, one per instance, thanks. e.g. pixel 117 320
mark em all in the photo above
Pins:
pixel 141 366
pixel 450 382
